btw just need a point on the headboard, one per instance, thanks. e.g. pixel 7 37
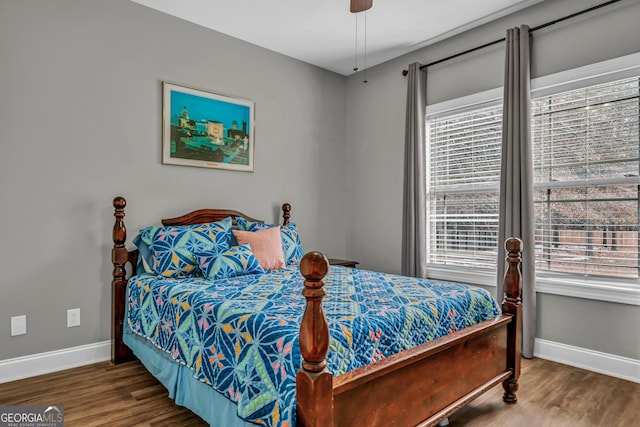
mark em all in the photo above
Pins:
pixel 202 216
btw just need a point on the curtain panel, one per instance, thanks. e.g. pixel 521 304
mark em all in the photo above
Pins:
pixel 414 221
pixel 516 217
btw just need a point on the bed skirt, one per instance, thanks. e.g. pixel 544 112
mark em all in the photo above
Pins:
pixel 183 388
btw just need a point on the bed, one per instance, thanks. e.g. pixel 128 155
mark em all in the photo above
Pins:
pixel 324 363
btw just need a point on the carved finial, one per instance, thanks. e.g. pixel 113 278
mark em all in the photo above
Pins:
pixel 513 277
pixel 314 266
pixel 119 230
pixel 314 331
pixel 513 245
pixel 119 202
pixel 286 213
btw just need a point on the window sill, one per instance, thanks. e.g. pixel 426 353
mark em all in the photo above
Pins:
pixel 468 276
pixel 622 293
pixel 601 291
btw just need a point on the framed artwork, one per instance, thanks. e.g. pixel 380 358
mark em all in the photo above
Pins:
pixel 208 130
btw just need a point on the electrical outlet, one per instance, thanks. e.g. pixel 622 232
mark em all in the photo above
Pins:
pixel 73 317
pixel 18 325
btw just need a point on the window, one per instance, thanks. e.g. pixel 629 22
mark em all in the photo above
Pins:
pixel 586 149
pixel 463 188
pixel 586 167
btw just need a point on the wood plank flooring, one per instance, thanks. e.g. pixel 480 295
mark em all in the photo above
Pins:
pixel 550 395
pixel 556 395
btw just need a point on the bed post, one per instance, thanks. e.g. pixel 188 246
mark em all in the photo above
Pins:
pixel 286 213
pixel 314 382
pixel 512 304
pixel 119 256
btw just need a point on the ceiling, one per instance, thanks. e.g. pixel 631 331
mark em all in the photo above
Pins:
pixel 326 34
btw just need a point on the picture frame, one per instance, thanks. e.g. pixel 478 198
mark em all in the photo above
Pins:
pixel 206 129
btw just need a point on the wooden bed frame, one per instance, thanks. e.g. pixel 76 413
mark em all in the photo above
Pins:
pixel 420 386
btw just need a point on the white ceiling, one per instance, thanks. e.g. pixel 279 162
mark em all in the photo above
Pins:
pixel 323 32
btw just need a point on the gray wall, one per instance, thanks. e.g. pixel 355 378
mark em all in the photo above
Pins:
pixel 375 139
pixel 80 122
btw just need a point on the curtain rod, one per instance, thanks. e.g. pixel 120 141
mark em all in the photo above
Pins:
pixel 531 30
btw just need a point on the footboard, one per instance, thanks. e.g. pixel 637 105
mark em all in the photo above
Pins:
pixel 420 386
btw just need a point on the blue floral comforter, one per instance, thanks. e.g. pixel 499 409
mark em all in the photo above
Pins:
pixel 240 334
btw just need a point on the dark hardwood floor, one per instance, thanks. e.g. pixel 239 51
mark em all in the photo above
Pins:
pixel 550 395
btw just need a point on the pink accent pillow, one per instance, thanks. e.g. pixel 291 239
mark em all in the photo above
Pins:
pixel 266 245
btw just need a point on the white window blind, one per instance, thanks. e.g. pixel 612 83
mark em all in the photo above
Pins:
pixel 464 178
pixel 586 167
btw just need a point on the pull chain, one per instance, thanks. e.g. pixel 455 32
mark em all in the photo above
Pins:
pixel 355 65
pixel 365 49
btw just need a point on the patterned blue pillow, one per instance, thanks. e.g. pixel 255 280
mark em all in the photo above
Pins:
pixel 174 247
pixel 246 225
pixel 146 234
pixel 291 244
pixel 145 256
pixel 235 261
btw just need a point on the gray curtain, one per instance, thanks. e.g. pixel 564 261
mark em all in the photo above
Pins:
pixel 414 224
pixel 516 177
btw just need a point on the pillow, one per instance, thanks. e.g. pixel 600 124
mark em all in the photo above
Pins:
pixel 266 246
pixel 235 261
pixel 145 256
pixel 216 233
pixel 146 234
pixel 291 244
pixel 246 225
pixel 174 247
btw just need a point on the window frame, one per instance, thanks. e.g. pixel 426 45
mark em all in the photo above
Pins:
pixel 625 291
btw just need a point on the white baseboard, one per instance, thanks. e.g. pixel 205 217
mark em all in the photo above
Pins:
pixel 58 360
pixel 52 361
pixel 591 360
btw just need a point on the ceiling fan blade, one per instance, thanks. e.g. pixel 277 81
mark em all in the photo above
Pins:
pixel 360 5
